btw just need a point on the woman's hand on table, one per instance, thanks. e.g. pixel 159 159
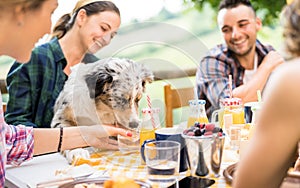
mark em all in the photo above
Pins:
pixel 98 135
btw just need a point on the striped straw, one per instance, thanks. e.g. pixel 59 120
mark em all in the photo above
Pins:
pixel 150 111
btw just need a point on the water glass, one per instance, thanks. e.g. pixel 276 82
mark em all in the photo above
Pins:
pixel 162 161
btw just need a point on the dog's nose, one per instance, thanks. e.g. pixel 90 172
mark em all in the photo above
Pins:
pixel 133 124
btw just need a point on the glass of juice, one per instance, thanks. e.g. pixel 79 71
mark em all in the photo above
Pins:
pixel 197 112
pixel 150 123
pixel 232 106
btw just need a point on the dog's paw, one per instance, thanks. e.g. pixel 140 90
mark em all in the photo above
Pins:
pixel 74 154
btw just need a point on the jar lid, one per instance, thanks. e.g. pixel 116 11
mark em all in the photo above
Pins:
pixel 150 110
pixel 196 102
pixel 231 102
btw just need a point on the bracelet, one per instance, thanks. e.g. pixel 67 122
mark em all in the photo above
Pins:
pixel 61 134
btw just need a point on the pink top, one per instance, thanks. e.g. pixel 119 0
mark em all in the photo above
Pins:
pixel 16 144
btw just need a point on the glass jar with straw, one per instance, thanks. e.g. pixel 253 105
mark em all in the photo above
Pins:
pixel 197 112
pixel 235 107
pixel 150 122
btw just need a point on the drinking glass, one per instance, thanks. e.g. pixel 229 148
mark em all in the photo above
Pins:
pixel 162 161
pixel 150 123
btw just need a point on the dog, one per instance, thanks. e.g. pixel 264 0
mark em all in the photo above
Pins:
pixel 107 91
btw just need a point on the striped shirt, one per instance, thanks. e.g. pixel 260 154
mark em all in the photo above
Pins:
pixel 16 144
pixel 214 70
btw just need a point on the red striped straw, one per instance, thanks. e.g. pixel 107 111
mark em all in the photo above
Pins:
pixel 230 85
pixel 151 111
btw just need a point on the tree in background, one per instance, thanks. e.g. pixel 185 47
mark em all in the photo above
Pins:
pixel 267 10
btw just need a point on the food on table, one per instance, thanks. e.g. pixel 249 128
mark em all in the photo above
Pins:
pixel 90 161
pixel 203 129
pixel 121 182
pixel 87 185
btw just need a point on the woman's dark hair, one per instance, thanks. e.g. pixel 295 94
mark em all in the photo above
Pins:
pixel 291 28
pixel 228 4
pixel 65 23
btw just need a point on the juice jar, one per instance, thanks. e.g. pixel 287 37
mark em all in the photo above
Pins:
pixel 235 107
pixel 197 112
pixel 150 122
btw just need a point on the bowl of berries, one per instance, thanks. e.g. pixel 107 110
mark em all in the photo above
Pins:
pixel 203 130
pixel 205 143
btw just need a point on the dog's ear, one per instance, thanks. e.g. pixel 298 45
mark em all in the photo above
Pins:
pixel 147 77
pixel 96 83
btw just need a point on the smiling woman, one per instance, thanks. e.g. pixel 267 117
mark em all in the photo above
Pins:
pixel 89 27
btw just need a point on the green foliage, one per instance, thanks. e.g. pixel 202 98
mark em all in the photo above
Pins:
pixel 267 10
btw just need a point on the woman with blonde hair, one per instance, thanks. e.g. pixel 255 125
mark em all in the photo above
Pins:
pixel 273 148
pixel 22 23
pixel 35 86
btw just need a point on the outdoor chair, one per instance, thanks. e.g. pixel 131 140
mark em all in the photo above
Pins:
pixel 176 98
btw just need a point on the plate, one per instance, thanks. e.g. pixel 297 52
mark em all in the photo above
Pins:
pixel 80 171
pixel 291 178
pixel 100 182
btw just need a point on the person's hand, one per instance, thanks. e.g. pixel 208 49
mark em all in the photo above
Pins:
pixel 98 135
pixel 297 165
pixel 272 60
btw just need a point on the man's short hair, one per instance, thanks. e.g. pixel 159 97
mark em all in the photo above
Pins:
pixel 228 4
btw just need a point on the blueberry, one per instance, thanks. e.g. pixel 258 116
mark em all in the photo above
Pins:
pixel 197 132
pixel 203 131
pixel 197 124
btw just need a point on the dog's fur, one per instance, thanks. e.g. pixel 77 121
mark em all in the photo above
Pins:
pixel 105 92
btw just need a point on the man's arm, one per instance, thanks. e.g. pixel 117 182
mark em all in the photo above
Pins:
pixel 247 92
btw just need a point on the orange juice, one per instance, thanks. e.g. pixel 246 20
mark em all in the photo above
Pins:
pixel 192 120
pixel 238 116
pixel 146 134
pixel 232 106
